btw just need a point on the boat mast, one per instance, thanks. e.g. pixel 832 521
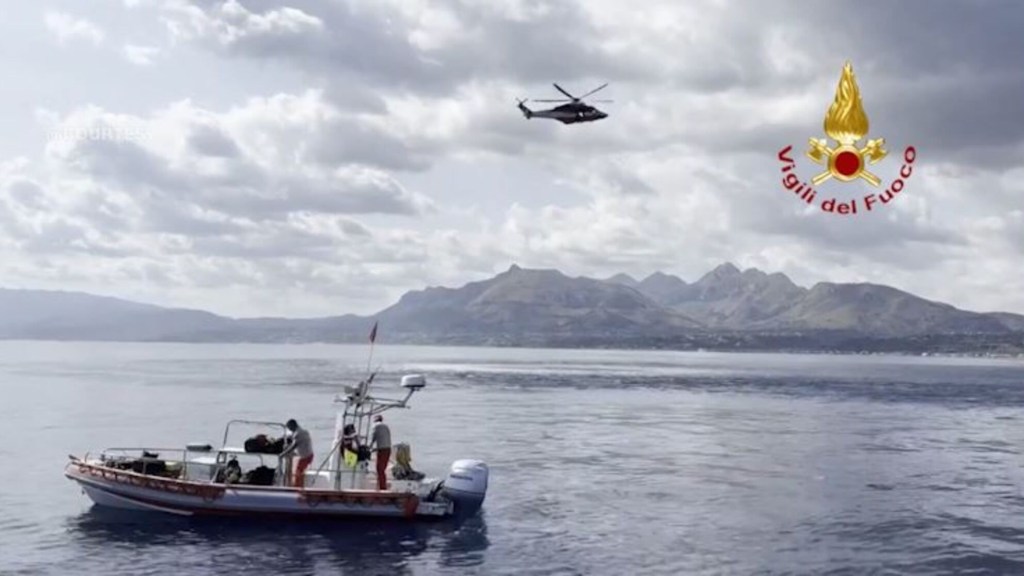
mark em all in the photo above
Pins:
pixel 361 395
pixel 361 407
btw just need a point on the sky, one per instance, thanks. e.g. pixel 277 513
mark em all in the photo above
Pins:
pixel 319 157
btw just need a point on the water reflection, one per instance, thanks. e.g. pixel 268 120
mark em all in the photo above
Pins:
pixel 364 546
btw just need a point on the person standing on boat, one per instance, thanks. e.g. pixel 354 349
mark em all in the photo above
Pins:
pixel 382 442
pixel 350 445
pixel 302 445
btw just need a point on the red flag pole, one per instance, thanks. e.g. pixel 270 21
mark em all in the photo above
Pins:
pixel 373 339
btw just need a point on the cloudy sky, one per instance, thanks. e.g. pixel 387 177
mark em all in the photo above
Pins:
pixel 313 157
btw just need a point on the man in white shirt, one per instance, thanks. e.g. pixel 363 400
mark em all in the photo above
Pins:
pixel 302 445
pixel 382 442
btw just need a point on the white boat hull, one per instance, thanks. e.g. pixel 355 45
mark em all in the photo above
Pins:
pixel 133 491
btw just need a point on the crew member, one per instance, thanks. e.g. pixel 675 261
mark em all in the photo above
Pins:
pixel 350 445
pixel 382 443
pixel 302 445
pixel 233 472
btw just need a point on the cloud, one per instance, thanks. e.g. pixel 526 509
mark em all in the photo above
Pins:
pixel 251 195
pixel 152 238
pixel 446 67
pixel 140 55
pixel 362 149
pixel 233 185
pixel 258 161
pixel 415 46
pixel 68 28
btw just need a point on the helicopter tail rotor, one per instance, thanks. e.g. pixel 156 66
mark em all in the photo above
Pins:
pixel 522 108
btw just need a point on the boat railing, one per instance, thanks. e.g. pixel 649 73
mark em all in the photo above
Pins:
pixel 177 455
pixel 143 450
pixel 142 454
pixel 330 455
pixel 360 410
pixel 342 469
pixel 218 458
pixel 336 477
pixel 227 429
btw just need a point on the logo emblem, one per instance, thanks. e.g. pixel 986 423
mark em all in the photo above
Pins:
pixel 847 125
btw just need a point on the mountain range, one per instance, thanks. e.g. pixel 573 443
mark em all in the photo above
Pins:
pixel 725 309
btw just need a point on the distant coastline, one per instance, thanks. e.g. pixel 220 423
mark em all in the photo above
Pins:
pixel 892 349
pixel 726 310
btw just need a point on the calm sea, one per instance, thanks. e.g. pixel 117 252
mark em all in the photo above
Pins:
pixel 602 462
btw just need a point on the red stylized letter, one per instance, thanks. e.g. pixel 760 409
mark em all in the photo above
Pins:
pixel 783 157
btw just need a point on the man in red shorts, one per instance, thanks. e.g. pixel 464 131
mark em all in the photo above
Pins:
pixel 302 445
pixel 382 442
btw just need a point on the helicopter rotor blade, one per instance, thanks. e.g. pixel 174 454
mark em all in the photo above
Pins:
pixel 602 100
pixel 560 89
pixel 601 87
pixel 559 100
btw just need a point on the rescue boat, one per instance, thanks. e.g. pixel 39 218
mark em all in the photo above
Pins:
pixel 248 479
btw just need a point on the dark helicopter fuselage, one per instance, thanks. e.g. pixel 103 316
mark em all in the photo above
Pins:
pixel 566 113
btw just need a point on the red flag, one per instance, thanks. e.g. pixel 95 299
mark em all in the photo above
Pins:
pixel 373 333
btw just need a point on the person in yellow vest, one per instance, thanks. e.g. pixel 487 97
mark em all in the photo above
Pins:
pixel 350 445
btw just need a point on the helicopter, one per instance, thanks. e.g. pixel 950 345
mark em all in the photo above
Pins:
pixel 571 113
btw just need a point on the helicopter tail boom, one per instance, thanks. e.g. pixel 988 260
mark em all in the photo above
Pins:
pixel 526 111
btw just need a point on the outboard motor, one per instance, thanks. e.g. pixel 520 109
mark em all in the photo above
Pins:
pixel 466 485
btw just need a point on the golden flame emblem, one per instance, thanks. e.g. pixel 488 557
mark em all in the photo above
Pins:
pixel 846 123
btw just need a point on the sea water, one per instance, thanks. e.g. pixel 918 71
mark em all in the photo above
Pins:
pixel 602 462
